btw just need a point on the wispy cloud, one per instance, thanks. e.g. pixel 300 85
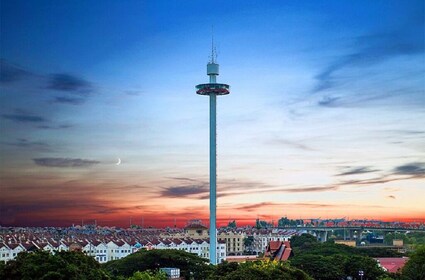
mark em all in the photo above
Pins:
pixel 391 196
pixel 184 191
pixel 25 143
pixel 77 89
pixel 64 162
pixel 294 144
pixel 406 39
pixel 399 173
pixel 275 205
pixel 69 100
pixel 416 168
pixel 357 170
pixel 133 92
pixel 328 101
pixel 62 126
pixel 310 189
pixel 23 117
pixel 10 73
pixel 67 82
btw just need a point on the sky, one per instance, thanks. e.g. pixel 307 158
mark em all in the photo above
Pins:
pixel 325 119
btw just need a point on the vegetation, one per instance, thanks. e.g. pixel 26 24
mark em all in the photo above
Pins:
pixel 285 222
pixel 331 261
pixel 411 238
pixel 45 266
pixel 147 275
pixel 232 224
pixel 264 270
pixel 312 260
pixel 190 265
pixel 259 224
pixel 415 267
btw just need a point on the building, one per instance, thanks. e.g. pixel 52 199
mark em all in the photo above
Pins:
pixel 278 251
pixel 391 265
pixel 351 243
pixel 234 241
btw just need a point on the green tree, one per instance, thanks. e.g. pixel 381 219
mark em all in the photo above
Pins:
pixel 190 265
pixel 303 242
pixel 369 266
pixel 320 267
pixel 248 242
pixel 62 265
pixel 147 275
pixel 262 224
pixel 415 267
pixel 232 224
pixel 264 270
pixel 389 237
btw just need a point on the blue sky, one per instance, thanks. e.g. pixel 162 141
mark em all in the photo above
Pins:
pixel 325 116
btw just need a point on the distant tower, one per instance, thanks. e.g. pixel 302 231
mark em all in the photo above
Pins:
pixel 213 89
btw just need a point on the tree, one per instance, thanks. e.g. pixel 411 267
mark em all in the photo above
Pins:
pixel 389 237
pixel 415 266
pixel 232 224
pixel 247 242
pixel 262 224
pixel 146 275
pixel 190 265
pixel 62 265
pixel 264 270
pixel 320 267
pixel 369 266
pixel 303 242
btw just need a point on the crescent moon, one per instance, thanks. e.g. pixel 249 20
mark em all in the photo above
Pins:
pixel 119 161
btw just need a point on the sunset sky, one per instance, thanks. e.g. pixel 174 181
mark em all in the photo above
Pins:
pixel 326 115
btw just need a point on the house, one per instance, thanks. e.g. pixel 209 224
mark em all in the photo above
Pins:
pixel 5 252
pixel 15 249
pixel 278 251
pixel 392 265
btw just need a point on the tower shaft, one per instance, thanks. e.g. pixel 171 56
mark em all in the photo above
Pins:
pixel 213 89
pixel 213 176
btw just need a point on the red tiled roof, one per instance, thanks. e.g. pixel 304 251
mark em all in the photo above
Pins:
pixel 392 264
pixel 274 245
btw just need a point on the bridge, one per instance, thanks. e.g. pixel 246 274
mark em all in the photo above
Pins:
pixel 322 231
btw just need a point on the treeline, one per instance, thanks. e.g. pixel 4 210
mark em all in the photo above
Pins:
pixel 312 260
pixel 335 261
pixel 142 265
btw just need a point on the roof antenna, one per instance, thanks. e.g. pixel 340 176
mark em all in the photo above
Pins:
pixel 213 49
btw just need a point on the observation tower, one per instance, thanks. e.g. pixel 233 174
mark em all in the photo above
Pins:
pixel 213 89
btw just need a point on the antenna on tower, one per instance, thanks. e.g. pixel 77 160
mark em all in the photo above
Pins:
pixel 213 48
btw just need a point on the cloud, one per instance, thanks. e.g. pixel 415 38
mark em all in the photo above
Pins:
pixel 23 117
pixel 183 179
pixel 311 189
pixel 69 83
pixel 25 143
pixel 274 205
pixel 64 162
pixel 328 101
pixel 406 39
pixel 133 92
pixel 357 170
pixel 181 191
pixel 294 144
pixel 417 168
pixel 69 100
pixel 62 126
pixel 10 73
pixel 391 196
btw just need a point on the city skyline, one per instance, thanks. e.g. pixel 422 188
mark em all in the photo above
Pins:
pixel 325 119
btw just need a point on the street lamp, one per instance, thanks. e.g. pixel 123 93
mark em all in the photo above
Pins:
pixel 361 273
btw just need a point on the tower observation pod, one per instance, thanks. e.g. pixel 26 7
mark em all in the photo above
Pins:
pixel 213 89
